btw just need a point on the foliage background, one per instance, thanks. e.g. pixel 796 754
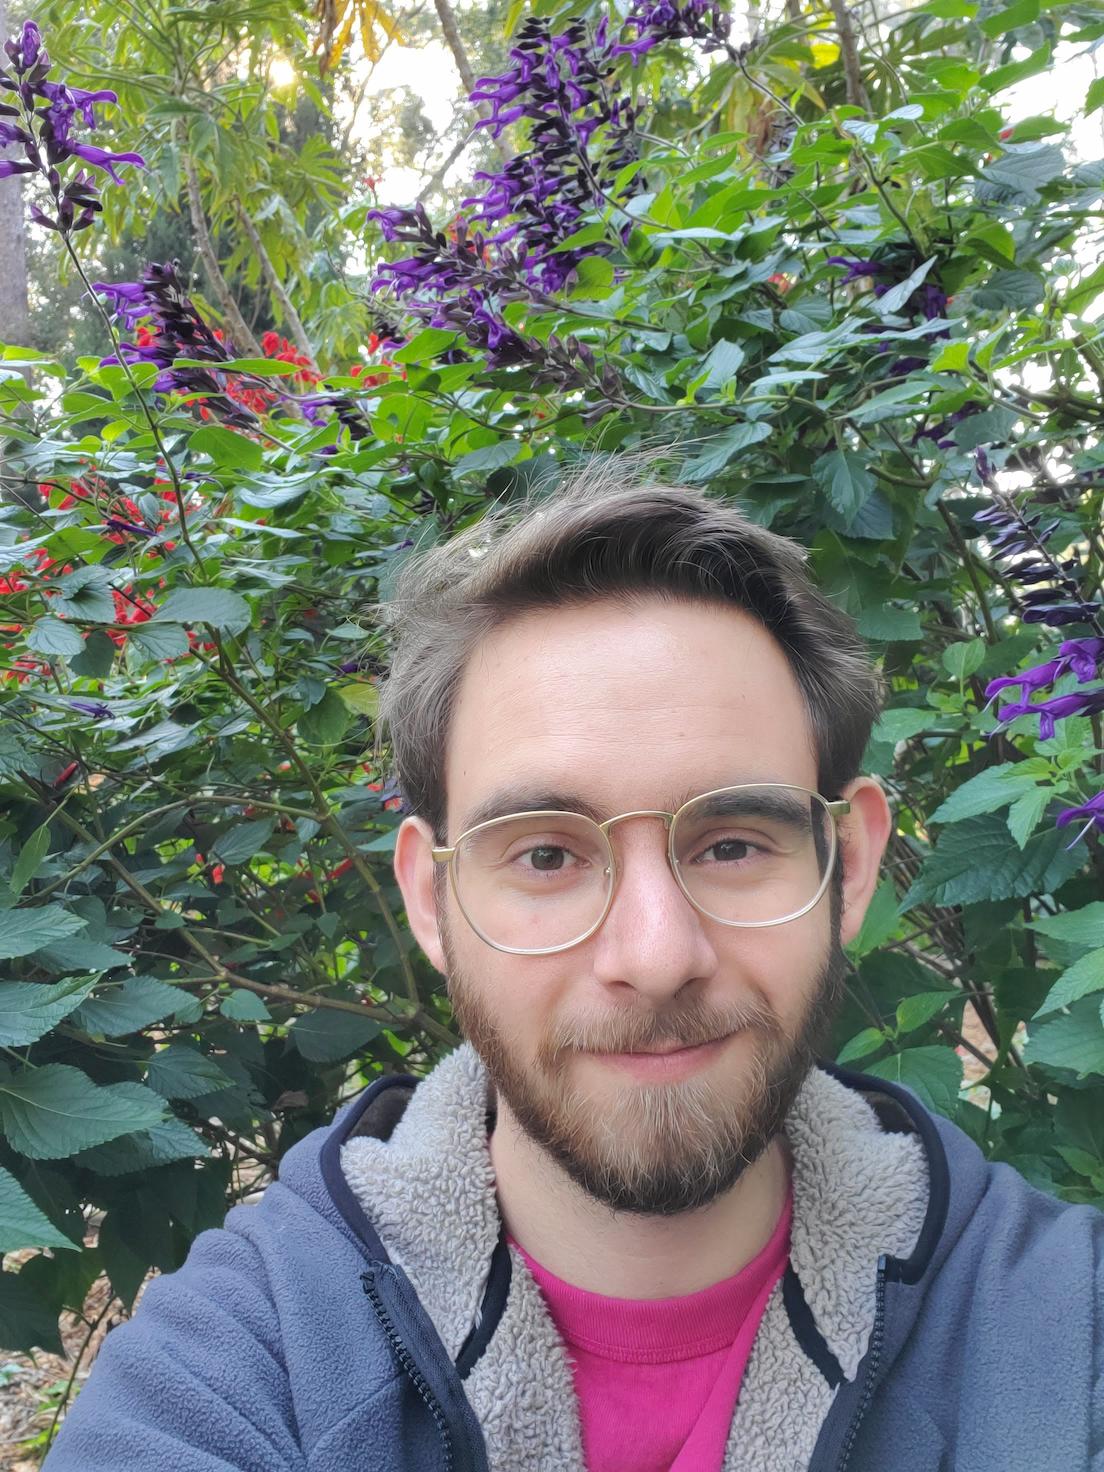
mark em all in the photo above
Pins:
pixel 825 271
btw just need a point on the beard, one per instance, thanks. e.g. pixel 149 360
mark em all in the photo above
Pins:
pixel 656 1150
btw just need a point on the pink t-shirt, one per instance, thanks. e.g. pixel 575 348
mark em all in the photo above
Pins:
pixel 657 1378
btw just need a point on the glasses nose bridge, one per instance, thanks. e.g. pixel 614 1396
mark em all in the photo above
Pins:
pixel 668 818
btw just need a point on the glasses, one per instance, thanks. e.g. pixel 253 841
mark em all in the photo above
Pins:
pixel 538 882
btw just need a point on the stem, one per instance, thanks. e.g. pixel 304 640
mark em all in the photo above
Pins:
pixel 276 286
pixel 330 818
pixel 242 337
pixel 147 412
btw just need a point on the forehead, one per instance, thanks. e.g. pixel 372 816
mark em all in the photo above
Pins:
pixel 626 705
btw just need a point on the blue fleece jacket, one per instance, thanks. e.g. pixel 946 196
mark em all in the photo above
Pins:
pixel 289 1342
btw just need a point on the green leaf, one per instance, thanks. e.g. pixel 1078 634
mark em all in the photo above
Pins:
pixel 121 1008
pixel 22 1224
pixel 160 1145
pixel 902 722
pixel 245 1006
pixel 488 457
pixel 96 658
pixel 158 641
pixel 889 623
pixel 361 698
pixel 861 1045
pixel 1081 979
pixel 53 1111
pixel 326 1036
pixel 431 342
pixel 219 607
pixel 238 844
pixel 915 1011
pixel 27 1321
pixel 1026 169
pixel 325 723
pixel 964 659
pixel 85 593
pixel 51 636
pixel 182 1072
pixel 879 922
pixel 1015 71
pixel 978 860
pixel 256 367
pixel 30 858
pixel 1083 927
pixel 1074 1040
pixel 845 480
pixel 1094 97
pixel 1019 13
pixel 720 367
pixel 29 1009
pixel 24 931
pixel 934 1074
pixel 721 448
pixel 895 298
pixel 226 448
pixel 1024 815
pixel 995 787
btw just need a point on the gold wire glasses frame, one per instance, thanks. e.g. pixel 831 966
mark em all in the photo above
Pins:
pixel 834 810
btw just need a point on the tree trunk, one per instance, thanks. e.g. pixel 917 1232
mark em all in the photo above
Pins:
pixel 243 340
pixel 453 40
pixel 289 314
pixel 849 55
pixel 14 314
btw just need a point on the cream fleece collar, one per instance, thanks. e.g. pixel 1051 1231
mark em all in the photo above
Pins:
pixel 429 1192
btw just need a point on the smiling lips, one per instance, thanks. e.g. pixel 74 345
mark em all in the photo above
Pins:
pixel 665 1064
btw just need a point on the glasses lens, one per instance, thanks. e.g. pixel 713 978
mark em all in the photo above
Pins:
pixel 754 854
pixel 531 883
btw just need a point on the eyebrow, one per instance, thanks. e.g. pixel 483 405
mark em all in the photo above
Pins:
pixel 524 799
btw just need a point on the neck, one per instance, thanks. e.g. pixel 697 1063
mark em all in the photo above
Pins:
pixel 621 1254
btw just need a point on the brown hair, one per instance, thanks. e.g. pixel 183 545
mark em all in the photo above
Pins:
pixel 604 535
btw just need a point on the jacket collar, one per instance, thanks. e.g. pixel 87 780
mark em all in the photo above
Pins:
pixel 420 1187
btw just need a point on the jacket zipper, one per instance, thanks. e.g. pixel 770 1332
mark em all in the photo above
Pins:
pixel 875 1354
pixel 402 1354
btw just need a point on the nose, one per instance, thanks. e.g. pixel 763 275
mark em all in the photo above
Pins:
pixel 653 940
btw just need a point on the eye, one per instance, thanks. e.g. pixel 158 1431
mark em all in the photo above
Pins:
pixel 547 858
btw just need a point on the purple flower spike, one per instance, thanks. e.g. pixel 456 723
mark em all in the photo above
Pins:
pixel 45 134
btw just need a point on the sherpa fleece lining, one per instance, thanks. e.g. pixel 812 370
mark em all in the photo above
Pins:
pixel 429 1191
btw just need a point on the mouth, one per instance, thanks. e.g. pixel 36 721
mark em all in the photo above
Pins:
pixel 669 1062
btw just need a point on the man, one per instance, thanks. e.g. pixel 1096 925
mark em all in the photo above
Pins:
pixel 629 1225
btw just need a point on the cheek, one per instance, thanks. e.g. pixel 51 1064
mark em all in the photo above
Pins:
pixel 781 963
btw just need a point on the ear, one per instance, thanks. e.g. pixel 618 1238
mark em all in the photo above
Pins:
pixel 414 869
pixel 864 834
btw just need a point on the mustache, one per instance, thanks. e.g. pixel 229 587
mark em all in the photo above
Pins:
pixel 631 1031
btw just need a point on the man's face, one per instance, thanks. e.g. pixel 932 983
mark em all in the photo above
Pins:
pixel 628 708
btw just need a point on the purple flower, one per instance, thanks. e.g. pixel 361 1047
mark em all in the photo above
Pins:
pixel 1093 810
pixel 45 134
pixel 115 524
pixel 93 708
pixel 1084 655
pixel 1080 703
pixel 857 269
pixel 1039 677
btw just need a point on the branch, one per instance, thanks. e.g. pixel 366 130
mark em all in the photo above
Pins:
pixel 453 40
pixel 276 286
pixel 849 55
pixel 242 337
